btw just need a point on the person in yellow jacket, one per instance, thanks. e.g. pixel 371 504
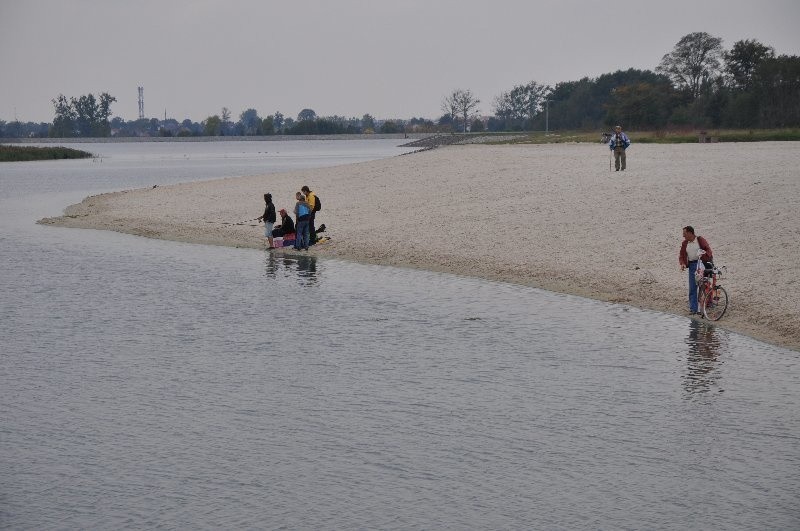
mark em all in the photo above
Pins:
pixel 311 199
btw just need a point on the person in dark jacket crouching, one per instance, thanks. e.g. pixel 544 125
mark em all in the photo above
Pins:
pixel 286 226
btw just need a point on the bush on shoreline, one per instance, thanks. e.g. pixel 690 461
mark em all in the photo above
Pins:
pixel 29 153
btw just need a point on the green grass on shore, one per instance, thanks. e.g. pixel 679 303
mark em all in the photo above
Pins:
pixel 660 137
pixel 28 153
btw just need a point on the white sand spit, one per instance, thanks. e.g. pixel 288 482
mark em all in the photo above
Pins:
pixel 550 216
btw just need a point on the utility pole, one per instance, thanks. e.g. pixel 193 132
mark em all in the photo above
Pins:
pixel 141 103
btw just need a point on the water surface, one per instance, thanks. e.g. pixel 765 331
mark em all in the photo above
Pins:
pixel 147 383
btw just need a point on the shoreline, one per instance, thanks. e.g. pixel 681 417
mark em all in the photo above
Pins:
pixel 212 139
pixel 548 216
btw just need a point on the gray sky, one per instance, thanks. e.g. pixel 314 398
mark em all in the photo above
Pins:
pixel 388 58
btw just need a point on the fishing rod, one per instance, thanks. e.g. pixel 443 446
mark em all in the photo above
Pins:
pixel 237 223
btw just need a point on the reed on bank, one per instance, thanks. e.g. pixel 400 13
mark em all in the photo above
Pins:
pixel 29 153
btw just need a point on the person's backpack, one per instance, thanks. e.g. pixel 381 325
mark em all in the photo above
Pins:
pixel 317 204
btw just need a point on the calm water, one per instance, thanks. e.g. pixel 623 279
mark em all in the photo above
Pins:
pixel 156 384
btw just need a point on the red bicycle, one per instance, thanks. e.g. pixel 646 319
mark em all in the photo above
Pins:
pixel 713 299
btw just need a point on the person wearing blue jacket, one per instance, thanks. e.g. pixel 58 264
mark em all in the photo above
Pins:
pixel 302 211
pixel 618 144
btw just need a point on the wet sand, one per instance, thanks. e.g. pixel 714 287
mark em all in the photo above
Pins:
pixel 549 216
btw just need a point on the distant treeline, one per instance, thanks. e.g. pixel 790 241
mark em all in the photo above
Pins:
pixel 249 124
pixel 27 153
pixel 698 85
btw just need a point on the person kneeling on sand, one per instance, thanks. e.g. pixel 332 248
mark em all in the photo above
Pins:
pixel 286 226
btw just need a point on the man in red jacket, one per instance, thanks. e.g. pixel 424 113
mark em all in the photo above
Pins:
pixel 693 248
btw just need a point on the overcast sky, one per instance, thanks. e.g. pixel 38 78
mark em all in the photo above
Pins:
pixel 388 58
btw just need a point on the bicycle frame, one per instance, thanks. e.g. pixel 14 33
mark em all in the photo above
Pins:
pixel 710 289
pixel 706 284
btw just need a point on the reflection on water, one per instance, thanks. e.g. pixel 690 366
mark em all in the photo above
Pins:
pixel 153 384
pixel 284 264
pixel 703 364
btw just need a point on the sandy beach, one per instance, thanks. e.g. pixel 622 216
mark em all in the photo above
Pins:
pixel 549 216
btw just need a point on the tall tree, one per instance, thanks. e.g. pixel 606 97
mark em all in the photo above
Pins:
pixel 106 100
pixel 64 121
pixel 743 59
pixel 306 115
pixel 86 109
pixel 225 121
pixel 250 122
pixel 84 116
pixel 522 103
pixel 100 124
pixel 460 103
pixel 278 122
pixel 777 83
pixel 450 110
pixel 503 107
pixel 572 105
pixel 391 127
pixel 212 126
pixel 99 112
pixel 640 105
pixel 367 123
pixel 693 61
pixel 268 125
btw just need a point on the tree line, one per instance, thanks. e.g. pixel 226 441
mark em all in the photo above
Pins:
pixel 73 121
pixel 698 84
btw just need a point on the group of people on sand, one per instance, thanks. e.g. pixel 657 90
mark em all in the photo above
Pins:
pixel 303 227
pixel 694 248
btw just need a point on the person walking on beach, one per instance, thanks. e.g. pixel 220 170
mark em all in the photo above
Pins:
pixel 693 248
pixel 302 212
pixel 311 199
pixel 269 219
pixel 618 144
pixel 286 226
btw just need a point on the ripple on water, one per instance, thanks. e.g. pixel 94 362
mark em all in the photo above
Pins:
pixel 157 384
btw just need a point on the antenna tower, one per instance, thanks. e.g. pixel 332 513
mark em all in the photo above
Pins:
pixel 141 103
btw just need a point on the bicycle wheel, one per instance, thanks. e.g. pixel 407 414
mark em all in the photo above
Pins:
pixel 714 303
